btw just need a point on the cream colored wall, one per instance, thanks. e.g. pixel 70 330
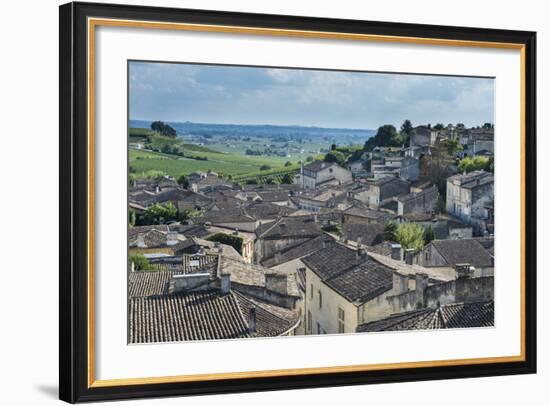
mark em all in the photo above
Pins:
pixel 327 316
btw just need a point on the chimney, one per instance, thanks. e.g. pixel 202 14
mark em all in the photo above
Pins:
pixel 252 320
pixel 409 256
pixel 421 283
pixel 276 282
pixel 225 283
pixel 397 252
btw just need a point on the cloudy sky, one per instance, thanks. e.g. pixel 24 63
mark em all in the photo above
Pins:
pixel 246 95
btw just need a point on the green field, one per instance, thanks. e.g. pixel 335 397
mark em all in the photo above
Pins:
pixel 175 156
pixel 143 161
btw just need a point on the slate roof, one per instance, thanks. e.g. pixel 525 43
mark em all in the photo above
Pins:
pixel 274 195
pixel 332 260
pixel 298 251
pixel 224 216
pixel 267 211
pixel 289 227
pixel 134 231
pixel 189 200
pixel 154 238
pixel 358 278
pixel 432 193
pixel 370 234
pixel 193 230
pixel 317 166
pixel 363 282
pixel 465 251
pixel 472 180
pixel 271 320
pixel 358 211
pixel 456 315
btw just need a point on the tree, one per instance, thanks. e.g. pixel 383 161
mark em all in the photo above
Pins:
pixel 287 179
pixel 477 163
pixel 333 147
pixel 140 262
pixel 288 163
pixel 453 146
pixel 436 167
pixel 184 215
pixel 160 214
pixel 183 181
pixel 429 234
pixel 439 126
pixel 386 136
pixel 406 127
pixel 227 239
pixel 163 129
pixel 335 156
pixel 405 132
pixel 410 236
pixel 487 126
pixel 390 229
pixel 265 168
pixel 309 159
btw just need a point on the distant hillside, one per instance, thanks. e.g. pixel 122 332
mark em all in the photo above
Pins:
pixel 260 130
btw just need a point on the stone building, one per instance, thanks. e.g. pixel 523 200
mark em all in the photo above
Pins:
pixel 470 197
pixel 452 253
pixel 319 173
pixel 383 190
pixel 342 285
pixel 423 135
pixel 286 231
pixel 424 201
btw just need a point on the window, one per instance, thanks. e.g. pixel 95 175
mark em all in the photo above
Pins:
pixel 320 300
pixel 311 291
pixel 341 320
pixel 319 329
pixel 309 321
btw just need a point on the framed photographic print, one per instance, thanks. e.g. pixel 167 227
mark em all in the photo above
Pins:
pixel 258 202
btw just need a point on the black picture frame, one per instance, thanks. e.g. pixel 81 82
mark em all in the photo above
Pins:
pixel 74 199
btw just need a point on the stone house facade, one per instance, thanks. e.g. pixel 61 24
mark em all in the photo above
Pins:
pixel 319 173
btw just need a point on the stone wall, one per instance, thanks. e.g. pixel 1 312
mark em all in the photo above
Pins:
pixel 456 291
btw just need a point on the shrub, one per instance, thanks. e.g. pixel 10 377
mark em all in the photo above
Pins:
pixel 140 262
